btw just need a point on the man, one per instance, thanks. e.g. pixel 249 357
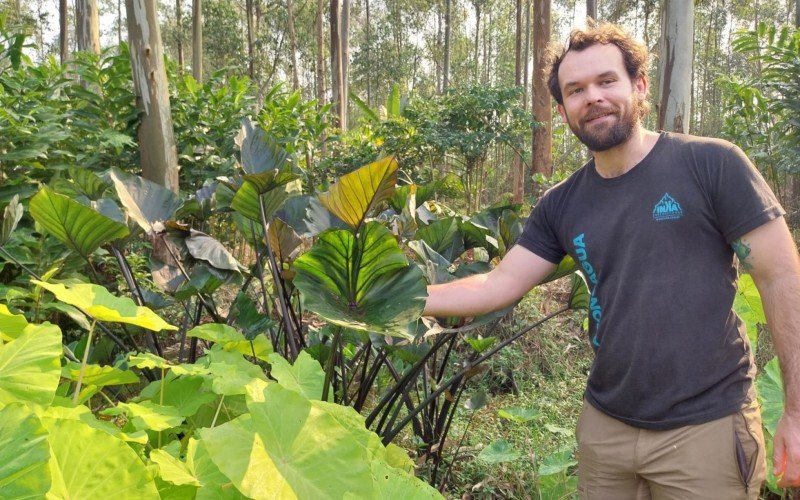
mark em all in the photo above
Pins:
pixel 654 222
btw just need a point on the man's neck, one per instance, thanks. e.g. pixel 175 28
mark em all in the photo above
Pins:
pixel 621 159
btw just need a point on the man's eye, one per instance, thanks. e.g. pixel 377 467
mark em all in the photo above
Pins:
pixel 607 82
pixel 574 91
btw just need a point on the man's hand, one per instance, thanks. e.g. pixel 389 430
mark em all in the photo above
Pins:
pixel 786 450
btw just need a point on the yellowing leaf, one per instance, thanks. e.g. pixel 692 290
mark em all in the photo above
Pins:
pixel 100 303
pixel 11 325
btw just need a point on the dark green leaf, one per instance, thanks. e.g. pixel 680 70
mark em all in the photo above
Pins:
pixel 145 201
pixel 259 152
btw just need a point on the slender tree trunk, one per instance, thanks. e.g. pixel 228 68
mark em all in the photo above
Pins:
pixel 447 35
pixel 477 37
pixel 320 55
pixel 63 36
pixel 157 150
pixel 519 171
pixel 369 54
pixel 179 23
pixel 197 40
pixel 344 46
pixel 675 83
pixel 797 13
pixel 87 26
pixel 540 105
pixel 292 44
pixel 591 9
pixel 248 13
pixel 527 54
pixel 336 63
pixel 119 22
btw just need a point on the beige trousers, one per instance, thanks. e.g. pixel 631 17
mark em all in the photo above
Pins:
pixel 719 460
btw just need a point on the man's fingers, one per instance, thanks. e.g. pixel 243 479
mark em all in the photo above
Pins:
pixel 778 457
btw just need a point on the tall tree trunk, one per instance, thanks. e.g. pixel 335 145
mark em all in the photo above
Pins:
pixel 248 12
pixel 527 54
pixel 197 40
pixel 447 35
pixel 591 9
pixel 540 105
pixel 519 170
pixel 477 4
pixel 119 22
pixel 63 37
pixel 675 57
pixel 320 55
pixel 369 54
pixel 292 44
pixel 336 62
pixel 87 26
pixel 179 23
pixel 157 150
pixel 797 13
pixel 344 54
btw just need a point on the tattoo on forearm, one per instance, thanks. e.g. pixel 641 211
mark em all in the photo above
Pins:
pixel 742 250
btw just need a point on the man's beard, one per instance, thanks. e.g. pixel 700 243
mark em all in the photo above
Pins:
pixel 612 135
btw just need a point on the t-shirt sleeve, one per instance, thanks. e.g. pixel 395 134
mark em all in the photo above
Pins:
pixel 539 236
pixel 742 199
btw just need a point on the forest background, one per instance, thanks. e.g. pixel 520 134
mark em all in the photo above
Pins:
pixel 96 92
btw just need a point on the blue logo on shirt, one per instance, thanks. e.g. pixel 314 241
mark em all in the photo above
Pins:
pixel 667 209
pixel 595 310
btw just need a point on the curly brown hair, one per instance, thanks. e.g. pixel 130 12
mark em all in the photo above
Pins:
pixel 634 54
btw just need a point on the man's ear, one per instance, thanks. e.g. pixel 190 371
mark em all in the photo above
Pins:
pixel 642 84
pixel 562 113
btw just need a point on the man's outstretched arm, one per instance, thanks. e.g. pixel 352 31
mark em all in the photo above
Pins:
pixel 513 277
pixel 769 254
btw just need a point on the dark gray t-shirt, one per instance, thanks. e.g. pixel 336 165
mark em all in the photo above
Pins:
pixel 654 246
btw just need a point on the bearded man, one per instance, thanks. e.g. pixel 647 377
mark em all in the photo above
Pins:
pixel 656 222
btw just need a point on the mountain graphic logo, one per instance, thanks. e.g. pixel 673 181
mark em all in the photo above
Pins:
pixel 667 209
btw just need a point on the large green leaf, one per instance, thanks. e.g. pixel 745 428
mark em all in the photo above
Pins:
pixel 291 447
pixel 215 485
pixel 498 452
pixel 770 394
pixel 11 325
pixel 444 237
pixel 100 376
pixel 145 201
pixel 30 367
pixel 748 306
pixel 24 454
pixel 246 199
pixel 259 151
pixel 87 183
pixel 305 377
pixel 361 281
pixel 11 217
pixel 147 415
pixel 100 303
pixel 203 247
pixel 230 372
pixel 88 463
pixel 355 194
pixel 79 227
pixel 579 296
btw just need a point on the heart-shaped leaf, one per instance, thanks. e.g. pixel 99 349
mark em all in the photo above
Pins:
pixel 498 452
pixel 771 395
pixel 361 281
pixel 305 377
pixel 79 227
pixel 283 240
pixel 11 217
pixel 443 237
pixel 203 247
pixel 24 454
pixel 87 183
pixel 100 376
pixel 579 294
pixel 355 194
pixel 11 325
pixel 30 367
pixel 246 199
pixel 100 303
pixel 259 151
pixel 145 201
pixel 89 463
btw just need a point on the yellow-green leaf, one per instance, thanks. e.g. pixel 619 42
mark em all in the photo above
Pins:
pixel 100 303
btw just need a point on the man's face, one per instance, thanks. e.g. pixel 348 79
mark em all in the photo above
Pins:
pixel 600 102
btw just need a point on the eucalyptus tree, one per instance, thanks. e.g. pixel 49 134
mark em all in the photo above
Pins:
pixel 675 65
pixel 542 142
pixel 87 26
pixel 159 160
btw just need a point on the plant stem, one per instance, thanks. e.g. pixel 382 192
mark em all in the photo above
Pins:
pixel 331 362
pixel 219 407
pixel 86 350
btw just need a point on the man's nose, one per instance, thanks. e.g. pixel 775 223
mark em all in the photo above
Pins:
pixel 592 94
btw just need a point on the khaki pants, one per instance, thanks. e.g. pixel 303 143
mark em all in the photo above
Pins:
pixel 718 460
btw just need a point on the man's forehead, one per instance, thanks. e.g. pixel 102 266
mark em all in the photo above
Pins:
pixel 592 61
